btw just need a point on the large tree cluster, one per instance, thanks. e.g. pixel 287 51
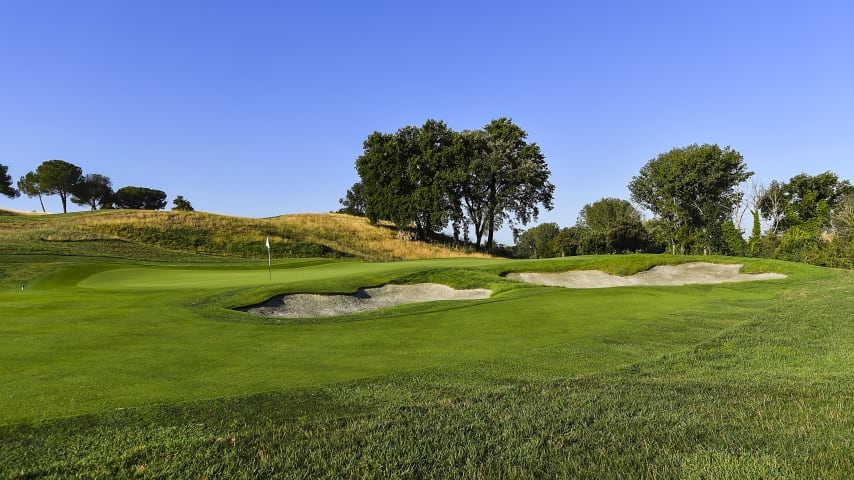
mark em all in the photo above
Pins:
pixel 691 191
pixel 809 220
pixel 430 177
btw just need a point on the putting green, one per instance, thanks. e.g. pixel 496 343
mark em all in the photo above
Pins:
pixel 183 277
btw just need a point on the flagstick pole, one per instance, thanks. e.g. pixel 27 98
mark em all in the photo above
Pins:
pixel 269 259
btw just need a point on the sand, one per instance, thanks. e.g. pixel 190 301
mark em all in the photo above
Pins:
pixel 304 305
pixel 662 275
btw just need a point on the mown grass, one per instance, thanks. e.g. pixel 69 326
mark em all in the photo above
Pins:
pixel 118 368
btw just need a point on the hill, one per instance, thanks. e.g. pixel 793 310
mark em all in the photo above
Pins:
pixel 163 235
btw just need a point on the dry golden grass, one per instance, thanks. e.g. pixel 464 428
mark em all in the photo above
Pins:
pixel 307 234
pixel 12 211
pixel 352 235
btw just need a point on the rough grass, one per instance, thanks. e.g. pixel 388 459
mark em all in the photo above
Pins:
pixel 300 235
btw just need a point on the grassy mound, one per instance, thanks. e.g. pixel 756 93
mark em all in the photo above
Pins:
pixel 119 232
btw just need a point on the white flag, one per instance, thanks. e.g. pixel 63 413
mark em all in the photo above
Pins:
pixel 269 258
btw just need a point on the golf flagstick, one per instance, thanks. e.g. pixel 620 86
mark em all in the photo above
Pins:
pixel 269 259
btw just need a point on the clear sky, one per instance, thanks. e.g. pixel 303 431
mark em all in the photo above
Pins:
pixel 260 108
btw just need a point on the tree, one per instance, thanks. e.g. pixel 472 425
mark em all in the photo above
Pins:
pixel 140 198
pixel 6 187
pixel 809 200
pixel 611 225
pixel 430 175
pixel 29 186
pixel 758 191
pixel 94 190
pixel 406 176
pixel 182 204
pixel 692 190
pixel 539 242
pixel 58 177
pixel 772 206
pixel 607 213
pixel 353 202
pixel 383 168
pixel 567 241
pixel 469 199
pixel 842 219
pixel 734 243
pixel 509 179
pixel 430 170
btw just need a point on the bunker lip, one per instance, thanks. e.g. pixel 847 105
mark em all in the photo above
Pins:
pixel 662 275
pixel 306 305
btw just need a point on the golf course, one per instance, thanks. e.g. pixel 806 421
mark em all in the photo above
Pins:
pixel 124 353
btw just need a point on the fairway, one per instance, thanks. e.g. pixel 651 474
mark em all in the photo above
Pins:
pixel 102 339
pixel 128 336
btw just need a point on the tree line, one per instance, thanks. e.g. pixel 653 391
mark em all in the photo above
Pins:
pixel 432 177
pixel 701 204
pixel 607 226
pixel 94 190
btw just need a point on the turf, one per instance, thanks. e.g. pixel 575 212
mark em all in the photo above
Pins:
pixel 116 368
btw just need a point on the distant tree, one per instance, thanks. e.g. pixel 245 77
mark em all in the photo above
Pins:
pixel 842 219
pixel 58 177
pixel 6 187
pixel 772 206
pixel 808 200
pixel 139 198
pixel 29 186
pixel 182 204
pixel 692 190
pixel 592 242
pixel 353 202
pixel 734 242
pixel 607 213
pixel 754 206
pixel 611 225
pixel 539 242
pixel 566 243
pixel 95 190
pixel 627 236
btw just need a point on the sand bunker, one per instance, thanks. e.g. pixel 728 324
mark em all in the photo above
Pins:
pixel 304 305
pixel 662 275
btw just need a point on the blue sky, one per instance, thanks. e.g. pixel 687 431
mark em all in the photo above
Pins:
pixel 260 108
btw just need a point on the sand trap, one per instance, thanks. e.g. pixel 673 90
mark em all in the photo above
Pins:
pixel 304 305
pixel 662 275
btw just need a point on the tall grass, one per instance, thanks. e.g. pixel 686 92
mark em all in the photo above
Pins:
pixel 302 235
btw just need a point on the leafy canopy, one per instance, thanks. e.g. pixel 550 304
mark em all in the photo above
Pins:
pixel 140 198
pixel 94 190
pixel 58 177
pixel 692 190
pixel 431 176
pixel 6 187
pixel 182 204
